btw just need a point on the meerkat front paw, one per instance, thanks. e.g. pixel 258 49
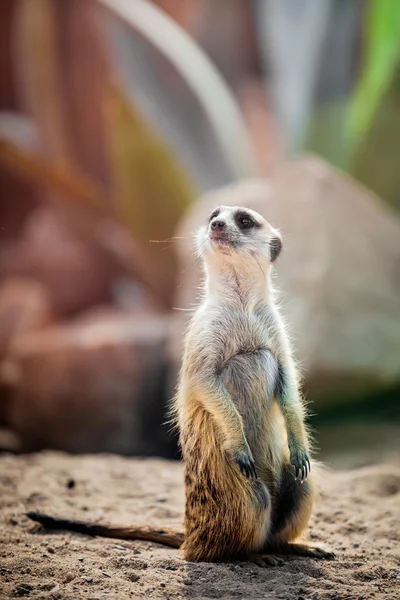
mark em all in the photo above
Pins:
pixel 244 460
pixel 301 463
pixel 246 465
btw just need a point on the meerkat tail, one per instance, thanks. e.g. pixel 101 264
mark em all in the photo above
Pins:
pixel 165 536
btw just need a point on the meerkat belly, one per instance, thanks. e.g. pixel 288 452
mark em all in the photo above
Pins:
pixel 250 378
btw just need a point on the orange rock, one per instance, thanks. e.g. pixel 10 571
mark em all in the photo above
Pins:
pixel 24 306
pixel 97 384
pixel 75 274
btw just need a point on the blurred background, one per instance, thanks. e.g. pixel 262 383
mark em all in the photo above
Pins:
pixel 122 124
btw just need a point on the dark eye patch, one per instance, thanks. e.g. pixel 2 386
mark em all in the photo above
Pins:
pixel 214 214
pixel 245 221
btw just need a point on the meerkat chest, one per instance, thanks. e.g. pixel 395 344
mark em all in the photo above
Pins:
pixel 242 332
pixel 220 333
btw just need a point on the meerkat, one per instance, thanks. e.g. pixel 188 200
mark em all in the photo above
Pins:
pixel 240 413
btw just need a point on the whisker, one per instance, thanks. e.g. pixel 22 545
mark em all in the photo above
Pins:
pixel 199 257
pixel 258 262
pixel 173 239
pixel 167 240
pixel 166 248
pixel 196 261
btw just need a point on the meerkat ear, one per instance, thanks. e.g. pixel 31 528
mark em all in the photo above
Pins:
pixel 275 247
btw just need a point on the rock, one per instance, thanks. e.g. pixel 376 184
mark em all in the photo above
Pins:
pixel 339 275
pixel 24 306
pixel 9 440
pixel 24 589
pixel 73 271
pixel 96 384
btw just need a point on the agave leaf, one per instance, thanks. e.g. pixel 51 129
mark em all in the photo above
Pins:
pixel 17 197
pixel 38 74
pixel 151 192
pixel 382 51
pixel 89 217
pixel 179 91
pixel 379 170
pixel 55 176
pixel 147 179
pixel 291 37
pixel 85 72
pixel 7 91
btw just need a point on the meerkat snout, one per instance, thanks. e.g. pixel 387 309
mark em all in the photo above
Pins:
pixel 218 225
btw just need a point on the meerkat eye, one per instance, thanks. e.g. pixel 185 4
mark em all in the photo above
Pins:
pixel 244 221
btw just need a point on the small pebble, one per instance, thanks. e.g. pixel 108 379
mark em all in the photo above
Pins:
pixel 161 498
pixel 88 579
pixel 23 589
pixel 71 483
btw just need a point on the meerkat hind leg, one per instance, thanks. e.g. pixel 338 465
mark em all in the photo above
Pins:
pixel 306 550
pixel 266 560
pixel 290 516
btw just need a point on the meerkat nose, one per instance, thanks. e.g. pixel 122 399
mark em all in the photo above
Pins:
pixel 218 224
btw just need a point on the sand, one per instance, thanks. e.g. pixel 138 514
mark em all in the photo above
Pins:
pixel 358 516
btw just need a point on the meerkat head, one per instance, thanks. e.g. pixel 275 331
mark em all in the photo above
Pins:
pixel 236 234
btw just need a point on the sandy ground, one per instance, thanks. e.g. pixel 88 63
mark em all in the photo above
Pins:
pixel 358 516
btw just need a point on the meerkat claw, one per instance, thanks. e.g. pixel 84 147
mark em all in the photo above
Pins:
pixel 265 561
pixel 246 466
pixel 301 465
pixel 322 553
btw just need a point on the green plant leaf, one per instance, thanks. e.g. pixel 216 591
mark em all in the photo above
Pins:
pixel 382 50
